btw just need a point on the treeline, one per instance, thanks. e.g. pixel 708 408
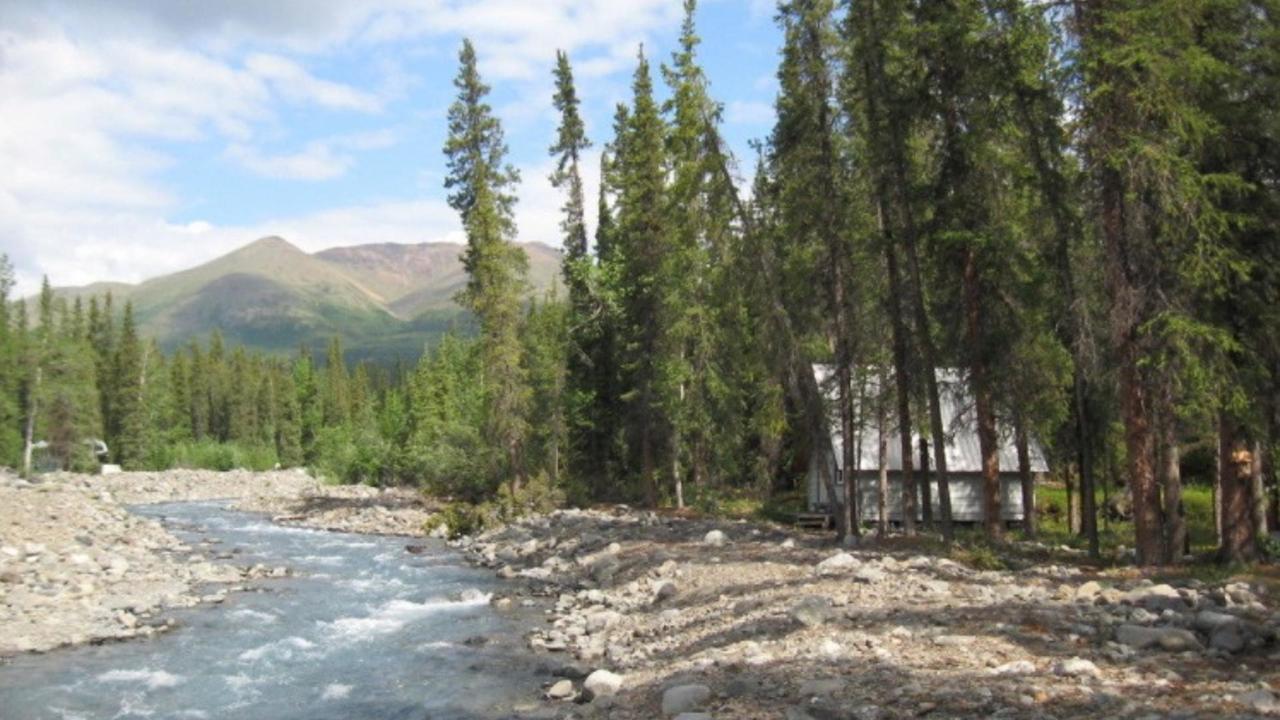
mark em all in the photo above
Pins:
pixel 81 373
pixel 1075 204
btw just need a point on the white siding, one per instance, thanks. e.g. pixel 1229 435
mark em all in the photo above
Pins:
pixel 966 497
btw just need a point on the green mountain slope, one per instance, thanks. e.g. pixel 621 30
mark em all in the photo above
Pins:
pixel 384 300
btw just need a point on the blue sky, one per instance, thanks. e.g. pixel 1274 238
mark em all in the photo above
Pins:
pixel 144 136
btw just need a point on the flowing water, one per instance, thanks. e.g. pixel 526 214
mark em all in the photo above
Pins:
pixel 365 630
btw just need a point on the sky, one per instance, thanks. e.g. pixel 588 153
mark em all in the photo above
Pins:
pixel 141 137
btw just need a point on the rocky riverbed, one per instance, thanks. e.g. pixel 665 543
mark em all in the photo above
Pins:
pixel 656 616
pixel 650 615
pixel 76 566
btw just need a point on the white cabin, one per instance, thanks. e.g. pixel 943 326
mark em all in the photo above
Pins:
pixel 964 458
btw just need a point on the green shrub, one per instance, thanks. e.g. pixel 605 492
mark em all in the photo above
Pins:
pixel 464 517
pixel 212 455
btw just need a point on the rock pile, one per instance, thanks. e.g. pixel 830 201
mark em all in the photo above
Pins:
pixel 713 619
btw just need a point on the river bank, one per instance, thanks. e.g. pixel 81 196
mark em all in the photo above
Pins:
pixel 657 615
pixel 76 566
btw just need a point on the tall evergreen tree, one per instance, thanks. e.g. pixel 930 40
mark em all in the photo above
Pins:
pixel 128 401
pixel 641 243
pixel 480 183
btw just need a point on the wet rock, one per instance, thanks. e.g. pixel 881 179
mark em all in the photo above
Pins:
pixel 560 690
pixel 571 671
pixel 684 698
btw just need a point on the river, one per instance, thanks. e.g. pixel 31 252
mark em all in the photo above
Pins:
pixel 364 630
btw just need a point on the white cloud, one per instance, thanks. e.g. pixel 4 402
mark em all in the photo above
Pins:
pixel 133 246
pixel 94 95
pixel 318 160
pixel 293 82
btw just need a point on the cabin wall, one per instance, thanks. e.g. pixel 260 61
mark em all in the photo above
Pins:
pixel 966 496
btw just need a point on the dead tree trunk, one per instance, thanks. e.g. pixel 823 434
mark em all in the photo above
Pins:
pixel 1239 535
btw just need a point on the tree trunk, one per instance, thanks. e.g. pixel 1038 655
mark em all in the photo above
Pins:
pixel 883 460
pixel 926 493
pixel 1084 454
pixel 1071 499
pixel 677 480
pixel 902 376
pixel 1259 494
pixel 1216 490
pixel 648 476
pixel 1148 535
pixel 848 524
pixel 992 520
pixel 1026 477
pixel 1171 480
pixel 1239 535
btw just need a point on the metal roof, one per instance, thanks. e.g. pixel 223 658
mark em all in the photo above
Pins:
pixel 959 419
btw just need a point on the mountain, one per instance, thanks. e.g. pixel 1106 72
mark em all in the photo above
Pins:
pixel 385 300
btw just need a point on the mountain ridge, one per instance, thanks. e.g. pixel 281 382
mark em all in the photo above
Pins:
pixel 385 300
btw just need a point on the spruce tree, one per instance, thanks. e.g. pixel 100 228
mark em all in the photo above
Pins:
pixel 480 183
pixel 641 243
pixel 128 401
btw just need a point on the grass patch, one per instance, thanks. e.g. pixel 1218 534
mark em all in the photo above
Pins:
pixel 1051 504
pixel 207 455
pixel 744 504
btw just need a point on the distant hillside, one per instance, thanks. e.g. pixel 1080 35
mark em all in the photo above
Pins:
pixel 385 300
